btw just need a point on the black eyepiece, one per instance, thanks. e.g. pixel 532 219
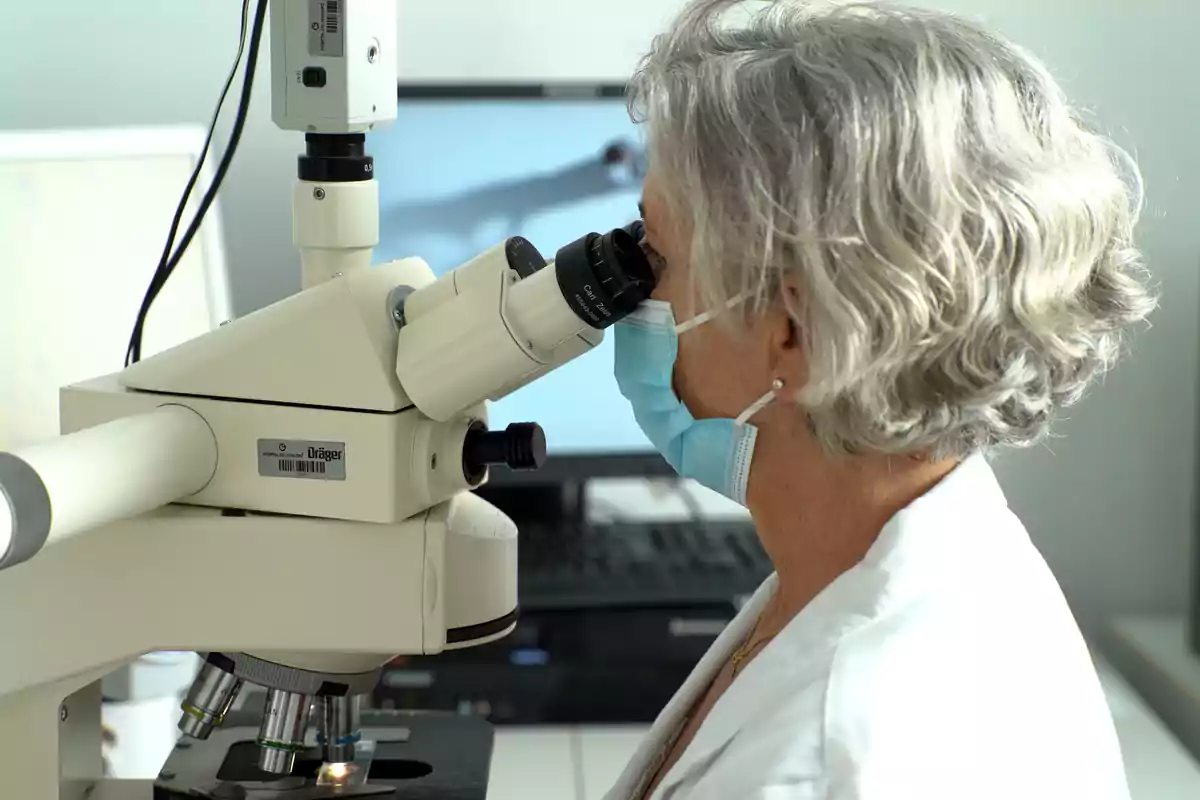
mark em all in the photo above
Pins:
pixel 636 229
pixel 605 277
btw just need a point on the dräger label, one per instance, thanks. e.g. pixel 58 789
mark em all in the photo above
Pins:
pixel 297 458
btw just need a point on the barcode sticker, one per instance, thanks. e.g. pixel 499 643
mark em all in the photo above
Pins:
pixel 326 28
pixel 295 465
pixel 296 458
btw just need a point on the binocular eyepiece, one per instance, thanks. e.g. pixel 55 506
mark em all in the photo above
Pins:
pixel 604 277
pixel 509 315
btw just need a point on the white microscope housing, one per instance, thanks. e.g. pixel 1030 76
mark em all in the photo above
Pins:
pixel 290 493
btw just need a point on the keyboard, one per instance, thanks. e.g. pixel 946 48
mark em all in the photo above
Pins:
pixel 639 564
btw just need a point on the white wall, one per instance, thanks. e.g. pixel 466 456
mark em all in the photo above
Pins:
pixel 84 63
pixel 1110 506
pixel 508 41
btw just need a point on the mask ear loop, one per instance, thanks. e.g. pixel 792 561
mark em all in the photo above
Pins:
pixel 700 319
pixel 761 403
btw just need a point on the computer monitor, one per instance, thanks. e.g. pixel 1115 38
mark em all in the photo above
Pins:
pixel 84 215
pixel 459 174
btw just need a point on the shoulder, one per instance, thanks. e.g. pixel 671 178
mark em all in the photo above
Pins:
pixel 984 672
pixel 947 664
pixel 971 680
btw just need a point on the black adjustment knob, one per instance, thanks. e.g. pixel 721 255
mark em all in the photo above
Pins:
pixel 520 446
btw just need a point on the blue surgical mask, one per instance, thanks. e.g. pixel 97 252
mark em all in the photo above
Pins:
pixel 714 452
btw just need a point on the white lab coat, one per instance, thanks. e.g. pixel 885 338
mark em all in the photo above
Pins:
pixel 944 666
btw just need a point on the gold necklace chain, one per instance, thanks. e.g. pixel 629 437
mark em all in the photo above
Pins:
pixel 746 650
pixel 753 642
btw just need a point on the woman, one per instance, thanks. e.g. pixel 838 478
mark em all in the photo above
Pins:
pixel 886 246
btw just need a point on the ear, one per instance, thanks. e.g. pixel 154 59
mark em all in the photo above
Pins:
pixel 786 342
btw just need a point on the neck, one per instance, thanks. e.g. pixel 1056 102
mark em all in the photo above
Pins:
pixel 817 515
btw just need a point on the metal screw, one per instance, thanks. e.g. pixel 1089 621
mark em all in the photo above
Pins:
pixel 337 274
pixel 166 775
pixel 319 193
pixel 224 323
pixel 63 713
pixel 372 53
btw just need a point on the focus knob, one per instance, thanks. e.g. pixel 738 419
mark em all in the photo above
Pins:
pixel 520 446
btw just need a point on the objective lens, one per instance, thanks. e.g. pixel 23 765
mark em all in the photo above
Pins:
pixel 604 278
pixel 281 735
pixel 208 700
pixel 338 731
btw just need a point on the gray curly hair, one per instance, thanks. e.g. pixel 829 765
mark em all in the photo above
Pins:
pixel 959 243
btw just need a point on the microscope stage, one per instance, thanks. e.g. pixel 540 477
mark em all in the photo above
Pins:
pixel 426 755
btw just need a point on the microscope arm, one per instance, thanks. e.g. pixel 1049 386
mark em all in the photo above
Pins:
pixel 193 579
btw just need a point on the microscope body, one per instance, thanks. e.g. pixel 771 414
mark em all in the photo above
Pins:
pixel 289 494
pixel 277 465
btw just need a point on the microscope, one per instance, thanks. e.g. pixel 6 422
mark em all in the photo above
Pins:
pixel 289 494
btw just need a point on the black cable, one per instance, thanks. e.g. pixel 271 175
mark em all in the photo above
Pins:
pixel 164 271
pixel 163 275
pixel 135 339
